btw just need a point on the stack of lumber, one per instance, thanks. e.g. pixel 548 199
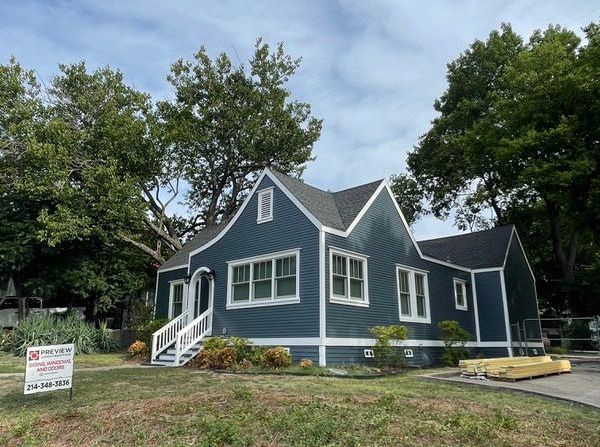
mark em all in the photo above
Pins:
pixel 514 368
pixel 534 369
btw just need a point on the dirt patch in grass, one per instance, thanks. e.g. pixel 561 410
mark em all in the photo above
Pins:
pixel 177 407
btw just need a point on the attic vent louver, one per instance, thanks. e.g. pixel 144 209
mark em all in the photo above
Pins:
pixel 265 205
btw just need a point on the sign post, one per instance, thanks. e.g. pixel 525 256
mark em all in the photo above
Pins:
pixel 49 368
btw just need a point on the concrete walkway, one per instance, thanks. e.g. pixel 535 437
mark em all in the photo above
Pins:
pixel 581 386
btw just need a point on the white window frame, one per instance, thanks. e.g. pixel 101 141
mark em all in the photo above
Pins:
pixel 172 285
pixel 338 299
pixel 413 318
pixel 272 301
pixel 463 285
pixel 260 195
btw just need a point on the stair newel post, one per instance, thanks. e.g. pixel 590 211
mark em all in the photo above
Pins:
pixel 154 346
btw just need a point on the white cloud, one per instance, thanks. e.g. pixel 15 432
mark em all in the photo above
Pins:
pixel 371 70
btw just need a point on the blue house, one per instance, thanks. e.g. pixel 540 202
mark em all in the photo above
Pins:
pixel 313 270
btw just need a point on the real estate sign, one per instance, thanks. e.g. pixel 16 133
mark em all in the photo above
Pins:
pixel 49 368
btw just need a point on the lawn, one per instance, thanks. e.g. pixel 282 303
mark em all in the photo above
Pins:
pixel 180 407
pixel 12 364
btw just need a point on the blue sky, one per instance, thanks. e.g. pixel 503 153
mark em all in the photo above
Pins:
pixel 371 69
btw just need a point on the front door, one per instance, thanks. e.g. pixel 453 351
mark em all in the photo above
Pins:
pixel 201 295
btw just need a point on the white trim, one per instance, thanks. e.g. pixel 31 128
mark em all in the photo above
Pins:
pixel 322 301
pixel 293 198
pixel 475 306
pixel 260 194
pixel 273 300
pixel 336 299
pixel 530 344
pixel 505 308
pixel 366 342
pixel 524 254
pixel 360 342
pixel 412 288
pixel 487 270
pixel 172 284
pixel 414 269
pixel 343 251
pixel 463 284
pixel 177 267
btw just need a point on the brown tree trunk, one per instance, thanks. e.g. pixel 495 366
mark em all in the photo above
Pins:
pixel 565 260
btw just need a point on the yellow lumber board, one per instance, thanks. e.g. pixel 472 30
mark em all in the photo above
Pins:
pixel 534 369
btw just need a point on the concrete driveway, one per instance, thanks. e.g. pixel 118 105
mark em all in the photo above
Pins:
pixel 582 385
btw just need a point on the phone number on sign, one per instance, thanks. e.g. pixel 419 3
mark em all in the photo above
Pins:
pixel 49 385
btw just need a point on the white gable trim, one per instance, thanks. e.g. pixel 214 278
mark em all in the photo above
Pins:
pixel 266 173
pixel 385 185
pixel 515 234
pixel 177 267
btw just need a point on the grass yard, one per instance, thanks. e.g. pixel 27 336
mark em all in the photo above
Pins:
pixel 180 407
pixel 12 364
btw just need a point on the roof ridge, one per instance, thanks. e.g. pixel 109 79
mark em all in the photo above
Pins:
pixel 360 186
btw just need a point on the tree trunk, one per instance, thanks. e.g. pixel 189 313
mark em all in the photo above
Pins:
pixel 564 260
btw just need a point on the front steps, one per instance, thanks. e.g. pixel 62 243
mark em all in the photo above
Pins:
pixel 167 357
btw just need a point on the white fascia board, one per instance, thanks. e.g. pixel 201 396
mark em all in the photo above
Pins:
pixel 475 307
pixel 233 220
pixel 489 269
pixel 177 267
pixel 322 301
pixel 524 254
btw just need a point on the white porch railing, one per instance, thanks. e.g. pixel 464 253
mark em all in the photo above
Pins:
pixel 194 332
pixel 167 335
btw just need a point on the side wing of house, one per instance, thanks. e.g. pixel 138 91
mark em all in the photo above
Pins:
pixel 169 292
pixel 521 299
pixel 397 286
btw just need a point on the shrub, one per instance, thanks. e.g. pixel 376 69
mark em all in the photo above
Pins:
pixel 138 349
pixel 144 332
pixel 215 358
pixel 256 355
pixel 242 348
pixel 385 354
pixel 4 340
pixel 214 343
pixel 58 329
pixel 306 363
pixel 558 350
pixel 276 358
pixel 454 337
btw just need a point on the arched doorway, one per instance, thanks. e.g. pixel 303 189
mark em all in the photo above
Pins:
pixel 201 289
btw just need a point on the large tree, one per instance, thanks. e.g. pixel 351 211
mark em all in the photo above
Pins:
pixel 518 133
pixel 227 122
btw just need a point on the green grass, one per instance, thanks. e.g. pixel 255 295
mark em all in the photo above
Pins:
pixel 180 407
pixel 11 364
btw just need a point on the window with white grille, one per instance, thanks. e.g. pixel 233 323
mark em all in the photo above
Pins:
pixel 265 205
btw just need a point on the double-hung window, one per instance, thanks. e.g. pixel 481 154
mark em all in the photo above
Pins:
pixel 348 278
pixel 176 299
pixel 460 294
pixel 265 280
pixel 413 295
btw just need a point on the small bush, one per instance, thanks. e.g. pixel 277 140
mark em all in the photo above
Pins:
pixel 257 354
pixel 558 350
pixel 386 356
pixel 144 333
pixel 306 363
pixel 242 348
pixel 276 358
pixel 214 343
pixel 138 350
pixel 215 359
pixel 454 337
pixel 4 340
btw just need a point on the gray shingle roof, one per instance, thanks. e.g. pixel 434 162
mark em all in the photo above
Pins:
pixel 333 209
pixel 204 236
pixel 481 249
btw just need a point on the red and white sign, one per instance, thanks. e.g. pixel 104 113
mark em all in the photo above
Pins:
pixel 49 368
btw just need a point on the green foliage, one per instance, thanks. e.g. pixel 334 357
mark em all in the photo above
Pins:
pixel 518 138
pixel 40 330
pixel 276 358
pixel 144 333
pixel 558 350
pixel 242 348
pixel 387 356
pixel 455 338
pixel 216 358
pixel 214 343
pixel 409 196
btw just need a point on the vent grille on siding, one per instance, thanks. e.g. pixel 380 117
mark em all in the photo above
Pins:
pixel 265 206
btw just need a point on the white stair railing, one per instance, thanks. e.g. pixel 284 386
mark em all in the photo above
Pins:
pixel 167 335
pixel 193 333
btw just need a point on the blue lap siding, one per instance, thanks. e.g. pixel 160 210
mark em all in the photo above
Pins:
pixel 164 288
pixel 492 326
pixel 520 293
pixel 290 229
pixel 382 237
